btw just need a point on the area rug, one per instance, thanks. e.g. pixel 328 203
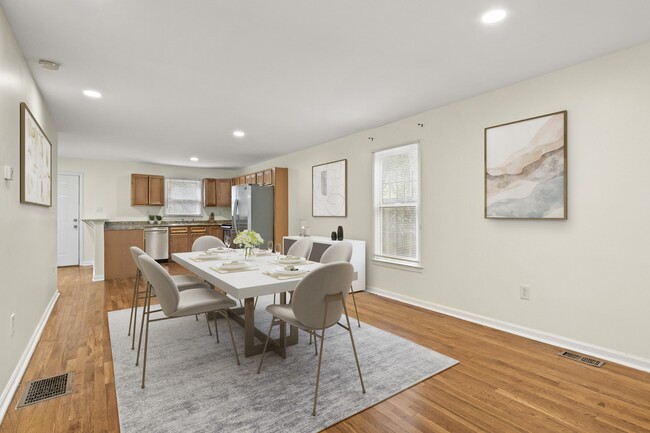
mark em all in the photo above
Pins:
pixel 194 384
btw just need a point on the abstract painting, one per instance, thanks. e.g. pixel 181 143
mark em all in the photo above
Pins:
pixel 35 161
pixel 329 189
pixel 525 168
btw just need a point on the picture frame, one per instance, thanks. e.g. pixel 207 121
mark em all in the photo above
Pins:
pixel 35 161
pixel 526 168
pixel 329 189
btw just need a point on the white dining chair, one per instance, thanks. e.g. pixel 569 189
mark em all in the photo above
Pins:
pixel 183 282
pixel 175 304
pixel 301 248
pixel 341 252
pixel 318 304
pixel 204 243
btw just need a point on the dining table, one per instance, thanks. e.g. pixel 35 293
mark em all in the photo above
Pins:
pixel 245 279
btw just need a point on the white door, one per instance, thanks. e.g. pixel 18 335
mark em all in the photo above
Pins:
pixel 68 220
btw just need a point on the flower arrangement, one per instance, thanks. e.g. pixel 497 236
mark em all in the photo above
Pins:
pixel 249 239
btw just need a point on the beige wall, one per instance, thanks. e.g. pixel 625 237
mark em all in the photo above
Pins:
pixel 107 191
pixel 589 275
pixel 27 232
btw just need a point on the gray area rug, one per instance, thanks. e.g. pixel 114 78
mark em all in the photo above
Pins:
pixel 194 384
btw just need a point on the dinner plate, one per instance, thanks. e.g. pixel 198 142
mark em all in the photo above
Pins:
pixel 289 261
pixel 217 250
pixel 285 273
pixel 234 266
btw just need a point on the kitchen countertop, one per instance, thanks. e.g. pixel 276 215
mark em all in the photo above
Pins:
pixel 139 225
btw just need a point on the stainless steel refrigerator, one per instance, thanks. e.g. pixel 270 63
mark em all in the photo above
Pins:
pixel 252 209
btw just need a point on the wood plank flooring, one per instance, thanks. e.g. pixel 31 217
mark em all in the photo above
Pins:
pixel 503 383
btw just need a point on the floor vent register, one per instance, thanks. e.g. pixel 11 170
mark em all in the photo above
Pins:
pixel 40 390
pixel 584 359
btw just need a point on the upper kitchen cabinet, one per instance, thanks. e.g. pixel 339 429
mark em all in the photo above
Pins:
pixel 216 192
pixel 147 190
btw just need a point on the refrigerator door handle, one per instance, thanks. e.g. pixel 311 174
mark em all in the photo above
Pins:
pixel 235 217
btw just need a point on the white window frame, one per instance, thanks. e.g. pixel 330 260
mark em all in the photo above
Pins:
pixel 168 199
pixel 377 207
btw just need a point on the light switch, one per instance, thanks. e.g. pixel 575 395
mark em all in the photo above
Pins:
pixel 9 172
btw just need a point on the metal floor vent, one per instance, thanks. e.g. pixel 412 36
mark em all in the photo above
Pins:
pixel 46 389
pixel 584 359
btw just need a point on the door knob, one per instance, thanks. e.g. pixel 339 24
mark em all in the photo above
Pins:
pixel 74 226
pixel 74 220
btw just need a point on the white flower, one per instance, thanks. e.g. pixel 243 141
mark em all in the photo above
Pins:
pixel 248 238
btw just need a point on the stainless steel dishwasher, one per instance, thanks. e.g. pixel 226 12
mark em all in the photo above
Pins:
pixel 156 242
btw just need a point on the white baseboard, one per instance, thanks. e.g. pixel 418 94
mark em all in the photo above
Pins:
pixel 628 360
pixel 19 371
pixel 87 263
pixel 98 278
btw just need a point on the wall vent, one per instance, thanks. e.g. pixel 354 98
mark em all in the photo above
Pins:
pixel 46 389
pixel 580 358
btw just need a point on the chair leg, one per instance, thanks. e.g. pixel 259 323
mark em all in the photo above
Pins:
pixel 134 300
pixel 234 346
pixel 144 313
pixel 354 300
pixel 208 321
pixel 315 345
pixel 146 342
pixel 216 328
pixel 197 317
pixel 266 343
pixel 320 358
pixel 354 349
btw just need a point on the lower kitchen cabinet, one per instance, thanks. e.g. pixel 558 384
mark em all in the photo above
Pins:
pixel 118 262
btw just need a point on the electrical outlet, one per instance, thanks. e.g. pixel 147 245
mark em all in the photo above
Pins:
pixel 524 292
pixel 12 322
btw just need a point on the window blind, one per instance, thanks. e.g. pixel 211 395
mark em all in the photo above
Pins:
pixel 183 197
pixel 396 202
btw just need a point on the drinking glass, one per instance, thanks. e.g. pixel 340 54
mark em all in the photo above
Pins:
pixel 226 240
pixel 269 246
pixel 278 249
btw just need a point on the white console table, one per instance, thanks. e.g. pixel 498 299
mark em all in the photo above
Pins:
pixel 322 243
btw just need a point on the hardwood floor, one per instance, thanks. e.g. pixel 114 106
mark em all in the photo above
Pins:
pixel 503 383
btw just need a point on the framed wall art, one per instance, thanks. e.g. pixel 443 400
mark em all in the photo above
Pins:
pixel 329 189
pixel 525 168
pixel 35 161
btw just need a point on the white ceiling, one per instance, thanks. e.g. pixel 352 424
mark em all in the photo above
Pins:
pixel 178 77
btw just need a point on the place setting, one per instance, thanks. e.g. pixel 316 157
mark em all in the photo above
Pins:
pixel 234 266
pixel 213 254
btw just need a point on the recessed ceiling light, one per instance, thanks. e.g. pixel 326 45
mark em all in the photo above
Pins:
pixel 238 133
pixel 92 93
pixel 194 159
pixel 48 64
pixel 493 16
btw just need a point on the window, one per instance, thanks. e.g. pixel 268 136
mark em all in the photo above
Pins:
pixel 183 197
pixel 397 204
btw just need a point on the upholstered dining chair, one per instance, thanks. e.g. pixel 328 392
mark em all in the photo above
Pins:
pixel 318 303
pixel 206 242
pixel 301 248
pixel 183 282
pixel 175 304
pixel 341 252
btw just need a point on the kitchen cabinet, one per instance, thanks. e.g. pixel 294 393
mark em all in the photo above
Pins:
pixel 118 262
pixel 216 192
pixel 268 177
pixel 251 179
pixel 259 178
pixel 195 233
pixel 147 190
pixel 215 231
pixel 178 240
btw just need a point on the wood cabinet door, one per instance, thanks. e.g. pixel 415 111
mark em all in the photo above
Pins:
pixel 268 177
pixel 195 233
pixel 156 190
pixel 241 180
pixel 214 231
pixel 259 178
pixel 223 192
pixel 210 192
pixel 251 179
pixel 139 190
pixel 178 240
